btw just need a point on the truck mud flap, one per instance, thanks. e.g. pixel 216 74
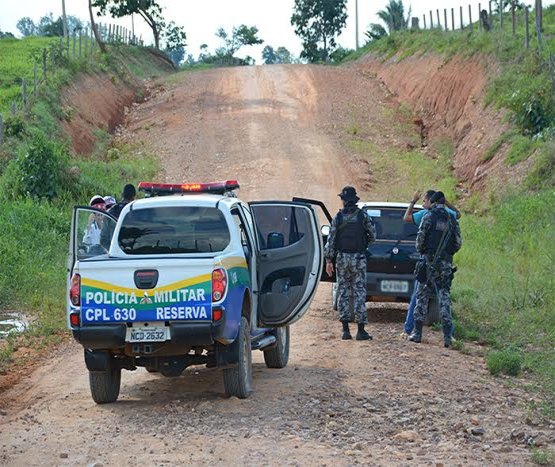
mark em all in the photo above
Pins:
pixel 102 360
pixel 101 337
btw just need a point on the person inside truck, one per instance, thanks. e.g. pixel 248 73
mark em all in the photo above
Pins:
pixel 416 218
pixel 94 224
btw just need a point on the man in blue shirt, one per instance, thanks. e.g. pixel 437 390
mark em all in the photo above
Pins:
pixel 416 218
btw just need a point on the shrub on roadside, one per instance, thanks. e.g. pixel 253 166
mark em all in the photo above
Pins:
pixel 507 361
pixel 38 170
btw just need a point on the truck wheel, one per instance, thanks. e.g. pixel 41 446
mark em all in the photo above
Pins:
pixel 238 380
pixel 278 356
pixel 105 385
pixel 433 315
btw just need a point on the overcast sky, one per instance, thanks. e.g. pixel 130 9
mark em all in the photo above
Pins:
pixel 202 18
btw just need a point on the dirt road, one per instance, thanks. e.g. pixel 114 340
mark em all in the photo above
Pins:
pixel 276 129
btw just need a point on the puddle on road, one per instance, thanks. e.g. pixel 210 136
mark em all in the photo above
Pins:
pixel 11 322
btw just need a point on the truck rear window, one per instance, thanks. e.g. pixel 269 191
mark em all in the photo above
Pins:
pixel 171 230
pixel 390 225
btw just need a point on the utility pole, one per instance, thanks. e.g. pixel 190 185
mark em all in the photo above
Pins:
pixel 132 26
pixel 64 17
pixel 356 25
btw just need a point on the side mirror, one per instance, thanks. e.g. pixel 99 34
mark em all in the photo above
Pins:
pixel 325 229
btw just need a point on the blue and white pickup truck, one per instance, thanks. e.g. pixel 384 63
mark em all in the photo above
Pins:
pixel 190 275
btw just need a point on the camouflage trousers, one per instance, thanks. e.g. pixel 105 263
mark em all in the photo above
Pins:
pixel 351 286
pixel 439 283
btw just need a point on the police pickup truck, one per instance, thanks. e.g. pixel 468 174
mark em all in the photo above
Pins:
pixel 190 275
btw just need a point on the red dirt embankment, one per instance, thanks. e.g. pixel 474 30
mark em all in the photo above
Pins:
pixel 447 94
pixel 98 101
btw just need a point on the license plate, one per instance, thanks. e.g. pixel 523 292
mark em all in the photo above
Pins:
pixel 150 334
pixel 394 286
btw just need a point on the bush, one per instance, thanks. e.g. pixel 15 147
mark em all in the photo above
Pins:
pixel 40 168
pixel 506 361
pixel 14 125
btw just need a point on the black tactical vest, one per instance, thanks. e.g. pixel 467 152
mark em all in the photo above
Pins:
pixel 442 227
pixel 351 236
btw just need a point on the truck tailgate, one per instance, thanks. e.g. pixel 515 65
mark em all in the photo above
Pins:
pixel 123 290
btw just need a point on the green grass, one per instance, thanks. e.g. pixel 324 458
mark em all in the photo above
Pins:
pixel 506 361
pixel 16 61
pixel 543 456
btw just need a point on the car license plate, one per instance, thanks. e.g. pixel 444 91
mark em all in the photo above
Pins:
pixel 394 286
pixel 150 334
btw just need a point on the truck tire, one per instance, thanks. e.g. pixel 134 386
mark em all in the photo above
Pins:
pixel 105 385
pixel 278 356
pixel 433 315
pixel 238 380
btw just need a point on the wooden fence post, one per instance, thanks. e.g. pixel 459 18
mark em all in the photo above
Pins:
pixel 74 44
pixel 110 32
pixel 61 54
pixel 80 43
pixel 452 19
pixel 527 27
pixel 52 55
pixel 1 130
pixel 44 65
pixel 35 79
pixel 462 26
pixel 479 16
pixel 431 20
pixel 539 24
pixel 425 26
pixel 24 95
pixel 438 21
pixel 445 19
pixel 470 17
pixel 86 43
pixel 513 16
pixel 501 8
pixel 68 42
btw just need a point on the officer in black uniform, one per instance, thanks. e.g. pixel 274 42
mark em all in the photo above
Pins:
pixel 351 231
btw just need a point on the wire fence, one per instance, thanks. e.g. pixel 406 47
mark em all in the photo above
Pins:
pixel 77 49
pixel 485 17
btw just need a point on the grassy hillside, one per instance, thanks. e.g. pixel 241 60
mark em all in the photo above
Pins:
pixel 41 180
pixel 504 292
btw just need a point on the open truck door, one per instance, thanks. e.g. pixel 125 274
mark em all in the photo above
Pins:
pixel 289 263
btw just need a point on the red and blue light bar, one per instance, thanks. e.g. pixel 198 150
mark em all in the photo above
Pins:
pixel 160 189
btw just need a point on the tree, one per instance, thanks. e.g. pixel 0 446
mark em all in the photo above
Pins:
pixel 394 18
pixel 149 10
pixel 240 36
pixel 26 27
pixel 6 35
pixel 174 38
pixel 318 22
pixel 284 56
pixel 49 27
pixel 97 36
pixel 269 56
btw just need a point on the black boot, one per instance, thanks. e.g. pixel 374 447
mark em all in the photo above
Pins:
pixel 362 335
pixel 416 335
pixel 346 332
pixel 447 335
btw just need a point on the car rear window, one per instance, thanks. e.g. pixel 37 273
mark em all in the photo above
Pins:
pixel 171 230
pixel 390 225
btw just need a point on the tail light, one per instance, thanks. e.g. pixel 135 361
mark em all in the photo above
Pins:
pixel 219 284
pixel 75 319
pixel 75 290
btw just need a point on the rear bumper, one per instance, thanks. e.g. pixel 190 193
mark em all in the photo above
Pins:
pixel 374 287
pixel 103 337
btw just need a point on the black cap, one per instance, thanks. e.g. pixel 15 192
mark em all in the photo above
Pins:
pixel 349 193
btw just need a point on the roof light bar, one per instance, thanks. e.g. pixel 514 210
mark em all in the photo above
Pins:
pixel 160 189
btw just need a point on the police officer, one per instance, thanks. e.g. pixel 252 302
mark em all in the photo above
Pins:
pixel 438 239
pixel 350 233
